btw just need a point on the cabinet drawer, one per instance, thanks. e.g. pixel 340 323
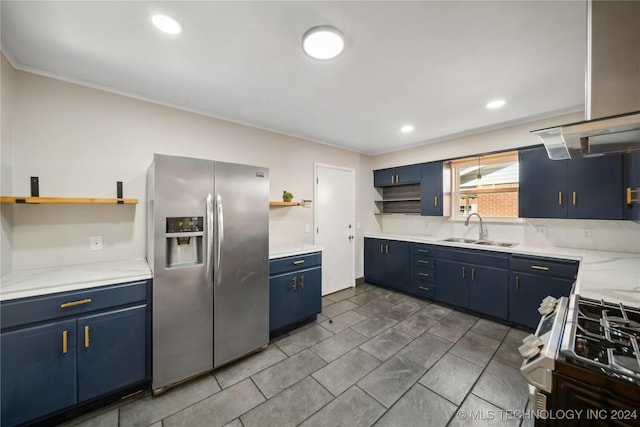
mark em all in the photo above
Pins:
pixel 545 266
pixel 424 275
pixel 424 262
pixel 420 250
pixel 37 309
pixel 484 258
pixel 423 289
pixel 282 265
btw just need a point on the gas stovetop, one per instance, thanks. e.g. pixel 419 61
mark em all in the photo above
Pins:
pixel 604 337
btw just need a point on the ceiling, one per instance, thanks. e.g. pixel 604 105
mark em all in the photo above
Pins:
pixel 432 64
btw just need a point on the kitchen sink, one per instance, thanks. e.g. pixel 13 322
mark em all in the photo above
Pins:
pixel 459 240
pixel 479 242
pixel 490 243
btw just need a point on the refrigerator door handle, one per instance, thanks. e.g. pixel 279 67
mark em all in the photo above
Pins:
pixel 209 255
pixel 220 233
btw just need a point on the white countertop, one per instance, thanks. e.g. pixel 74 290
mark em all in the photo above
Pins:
pixel 49 280
pixel 610 276
pixel 284 250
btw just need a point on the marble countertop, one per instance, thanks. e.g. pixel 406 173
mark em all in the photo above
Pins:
pixel 610 276
pixel 286 249
pixel 49 280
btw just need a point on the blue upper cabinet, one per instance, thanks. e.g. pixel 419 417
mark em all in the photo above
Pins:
pixel 397 176
pixel 432 190
pixel 632 186
pixel 590 188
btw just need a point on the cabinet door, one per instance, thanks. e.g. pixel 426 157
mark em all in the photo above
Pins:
pixel 526 292
pixel 542 190
pixel 374 259
pixel 111 351
pixel 632 182
pixel 431 189
pixel 38 371
pixel 283 300
pixel 384 177
pixel 488 291
pixel 408 174
pixel 451 277
pixel 398 264
pixel 309 292
pixel 595 188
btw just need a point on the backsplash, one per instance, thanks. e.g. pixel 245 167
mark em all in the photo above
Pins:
pixel 617 236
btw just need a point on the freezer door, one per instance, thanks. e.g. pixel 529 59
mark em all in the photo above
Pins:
pixel 241 261
pixel 182 296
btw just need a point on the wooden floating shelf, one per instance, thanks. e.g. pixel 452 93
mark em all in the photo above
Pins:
pixel 282 204
pixel 66 200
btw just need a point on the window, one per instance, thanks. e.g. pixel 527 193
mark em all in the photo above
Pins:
pixel 486 185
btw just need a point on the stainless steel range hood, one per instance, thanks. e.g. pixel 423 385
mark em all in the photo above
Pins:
pixel 612 97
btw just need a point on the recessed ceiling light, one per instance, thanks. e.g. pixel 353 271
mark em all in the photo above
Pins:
pixel 407 129
pixel 495 104
pixel 167 24
pixel 323 42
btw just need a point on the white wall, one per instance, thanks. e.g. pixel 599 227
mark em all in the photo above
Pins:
pixel 6 155
pixel 622 236
pixel 79 141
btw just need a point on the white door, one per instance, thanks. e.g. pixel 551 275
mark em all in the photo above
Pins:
pixel 335 226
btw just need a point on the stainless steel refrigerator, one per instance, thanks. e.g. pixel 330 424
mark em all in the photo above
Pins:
pixel 208 248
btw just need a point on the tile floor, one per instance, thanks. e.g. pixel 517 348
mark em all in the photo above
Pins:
pixel 373 357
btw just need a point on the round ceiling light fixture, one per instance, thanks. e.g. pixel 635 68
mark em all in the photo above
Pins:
pixel 166 24
pixel 407 129
pixel 323 42
pixel 495 104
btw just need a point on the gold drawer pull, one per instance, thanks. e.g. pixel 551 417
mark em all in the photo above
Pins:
pixel 574 198
pixel 517 282
pixel 301 261
pixel 423 251
pixel 423 288
pixel 64 342
pixel 74 303
pixel 630 198
pixel 539 267
pixel 423 274
pixel 435 201
pixel 559 198
pixel 422 261
pixel 86 336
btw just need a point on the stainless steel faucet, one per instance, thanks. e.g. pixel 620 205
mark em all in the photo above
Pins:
pixel 466 224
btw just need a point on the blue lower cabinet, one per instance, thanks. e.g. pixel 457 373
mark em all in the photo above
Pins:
pixel 111 351
pixel 452 287
pixel 294 296
pixel 38 371
pixel 526 292
pixel 98 347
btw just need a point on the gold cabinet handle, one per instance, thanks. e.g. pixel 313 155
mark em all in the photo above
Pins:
pixel 64 342
pixel 463 272
pixel 517 282
pixel 397 180
pixel 381 247
pixel 423 261
pixel 423 288
pixel 423 274
pixel 295 282
pixel 74 303
pixel 574 198
pixel 302 281
pixel 423 251
pixel 559 197
pixel 539 267
pixel 435 201
pixel 386 250
pixel 473 274
pixel 630 198
pixel 86 336
pixel 300 261
pixel 392 178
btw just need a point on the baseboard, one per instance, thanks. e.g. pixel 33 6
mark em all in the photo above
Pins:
pixel 359 280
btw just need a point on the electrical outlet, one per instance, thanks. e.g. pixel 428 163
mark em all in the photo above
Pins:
pixel 95 243
pixel 307 228
pixel 586 233
pixel 541 230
